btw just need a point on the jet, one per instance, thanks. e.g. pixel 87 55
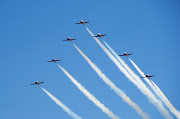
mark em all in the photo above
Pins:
pixel 99 35
pixel 82 22
pixel 147 76
pixel 69 39
pixel 36 83
pixel 53 60
pixel 125 54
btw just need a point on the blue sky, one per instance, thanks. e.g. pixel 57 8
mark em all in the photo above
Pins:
pixel 31 32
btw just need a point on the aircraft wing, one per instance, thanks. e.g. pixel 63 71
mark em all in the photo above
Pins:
pixel 86 22
pixel 104 35
pixel 73 39
pixel 65 40
pixel 49 61
pixel 58 60
pixel 130 54
pixel 41 82
pixel 78 23
pixel 121 55
pixel 152 76
pixel 32 84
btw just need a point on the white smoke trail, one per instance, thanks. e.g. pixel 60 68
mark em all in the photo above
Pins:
pixel 90 96
pixel 113 86
pixel 113 58
pixel 64 107
pixel 167 102
pixel 159 106
pixel 132 73
pixel 142 74
pixel 125 66
pixel 156 90
pixel 146 79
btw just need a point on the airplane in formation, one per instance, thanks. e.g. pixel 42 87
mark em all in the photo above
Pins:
pixel 36 83
pixel 53 60
pixel 82 22
pixel 125 54
pixel 99 35
pixel 148 76
pixel 69 39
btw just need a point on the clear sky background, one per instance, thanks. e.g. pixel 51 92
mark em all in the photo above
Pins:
pixel 31 33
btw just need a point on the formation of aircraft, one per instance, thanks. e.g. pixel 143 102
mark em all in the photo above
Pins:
pixel 82 22
pixel 36 83
pixel 53 60
pixel 125 54
pixel 69 39
pixel 148 76
pixel 99 35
